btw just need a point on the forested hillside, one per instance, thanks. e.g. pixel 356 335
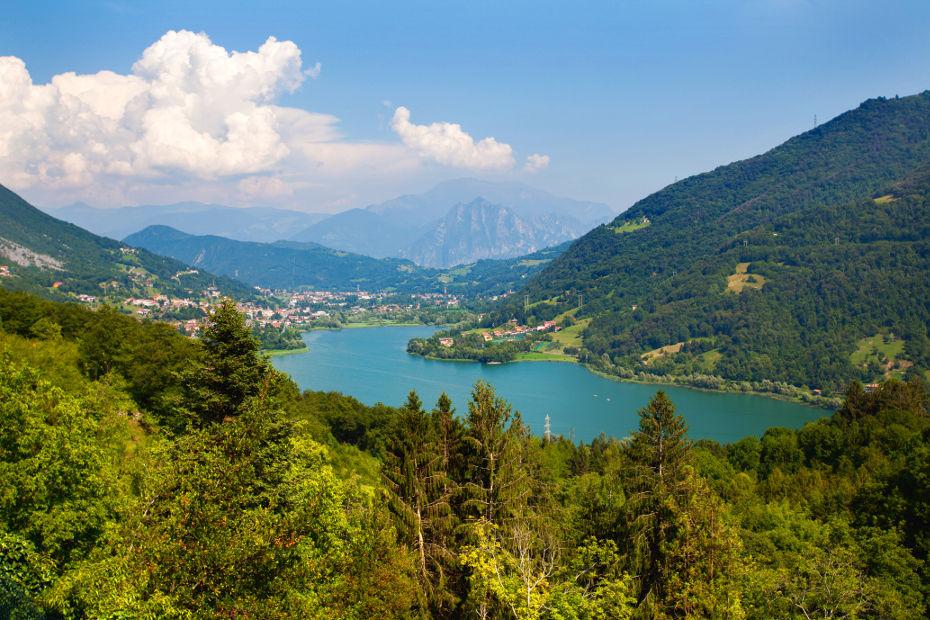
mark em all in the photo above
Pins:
pixel 289 264
pixel 46 255
pixel 809 264
pixel 284 264
pixel 144 474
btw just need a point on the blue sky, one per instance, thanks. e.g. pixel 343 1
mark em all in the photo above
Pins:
pixel 623 97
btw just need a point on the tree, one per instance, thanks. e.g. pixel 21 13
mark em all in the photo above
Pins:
pixel 244 519
pixel 419 493
pixel 232 370
pixel 496 481
pixel 684 550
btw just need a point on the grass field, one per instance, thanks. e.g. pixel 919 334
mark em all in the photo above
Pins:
pixel 570 336
pixel 741 280
pixel 884 350
pixel 875 347
pixel 632 225
pixel 670 349
pixel 881 200
pixel 709 360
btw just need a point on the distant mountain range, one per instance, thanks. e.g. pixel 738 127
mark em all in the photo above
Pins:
pixel 435 228
pixel 245 224
pixel 442 227
pixel 290 264
pixel 283 264
pixel 41 254
pixel 808 264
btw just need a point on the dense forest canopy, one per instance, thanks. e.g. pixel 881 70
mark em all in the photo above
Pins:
pixel 144 474
pixel 787 266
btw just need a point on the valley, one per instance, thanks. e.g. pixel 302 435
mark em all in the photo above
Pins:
pixel 280 346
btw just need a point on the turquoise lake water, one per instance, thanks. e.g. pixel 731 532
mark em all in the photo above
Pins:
pixel 372 365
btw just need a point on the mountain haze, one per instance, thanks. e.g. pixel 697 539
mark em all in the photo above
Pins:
pixel 283 264
pixel 291 264
pixel 399 226
pixel 245 224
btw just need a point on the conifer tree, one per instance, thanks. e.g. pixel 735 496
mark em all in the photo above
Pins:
pixel 495 435
pixel 685 552
pixel 659 453
pixel 419 499
pixel 232 369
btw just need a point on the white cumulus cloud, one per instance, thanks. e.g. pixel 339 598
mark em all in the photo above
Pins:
pixel 449 144
pixel 188 109
pixel 193 120
pixel 536 162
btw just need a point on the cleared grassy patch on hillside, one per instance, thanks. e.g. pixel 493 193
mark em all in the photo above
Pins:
pixel 876 347
pixel 570 336
pixel 632 226
pixel 670 349
pixel 532 262
pixel 741 280
pixel 883 351
pixel 883 200
pixel 709 360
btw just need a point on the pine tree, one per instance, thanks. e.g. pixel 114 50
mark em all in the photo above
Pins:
pixel 496 436
pixel 686 554
pixel 659 453
pixel 232 371
pixel 419 499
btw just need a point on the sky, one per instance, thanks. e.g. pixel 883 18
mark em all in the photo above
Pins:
pixel 327 106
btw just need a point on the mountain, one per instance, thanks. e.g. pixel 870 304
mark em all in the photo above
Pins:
pixel 395 227
pixel 365 232
pixel 245 224
pixel 291 264
pixel 282 264
pixel 808 264
pixel 46 255
pixel 479 229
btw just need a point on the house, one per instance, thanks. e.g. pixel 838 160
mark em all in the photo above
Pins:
pixel 446 342
pixel 5 272
pixel 487 336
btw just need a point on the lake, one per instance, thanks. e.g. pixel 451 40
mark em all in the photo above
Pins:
pixel 372 365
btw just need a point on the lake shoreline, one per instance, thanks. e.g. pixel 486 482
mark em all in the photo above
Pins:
pixel 809 400
pixel 373 366
pixel 280 352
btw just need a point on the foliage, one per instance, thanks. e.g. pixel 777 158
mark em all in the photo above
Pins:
pixel 292 265
pixel 803 217
pixel 56 251
pixel 225 493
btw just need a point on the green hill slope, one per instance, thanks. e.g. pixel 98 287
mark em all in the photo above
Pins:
pixel 45 255
pixel 777 267
pixel 288 264
pixel 282 264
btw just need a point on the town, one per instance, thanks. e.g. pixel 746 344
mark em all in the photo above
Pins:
pixel 283 309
